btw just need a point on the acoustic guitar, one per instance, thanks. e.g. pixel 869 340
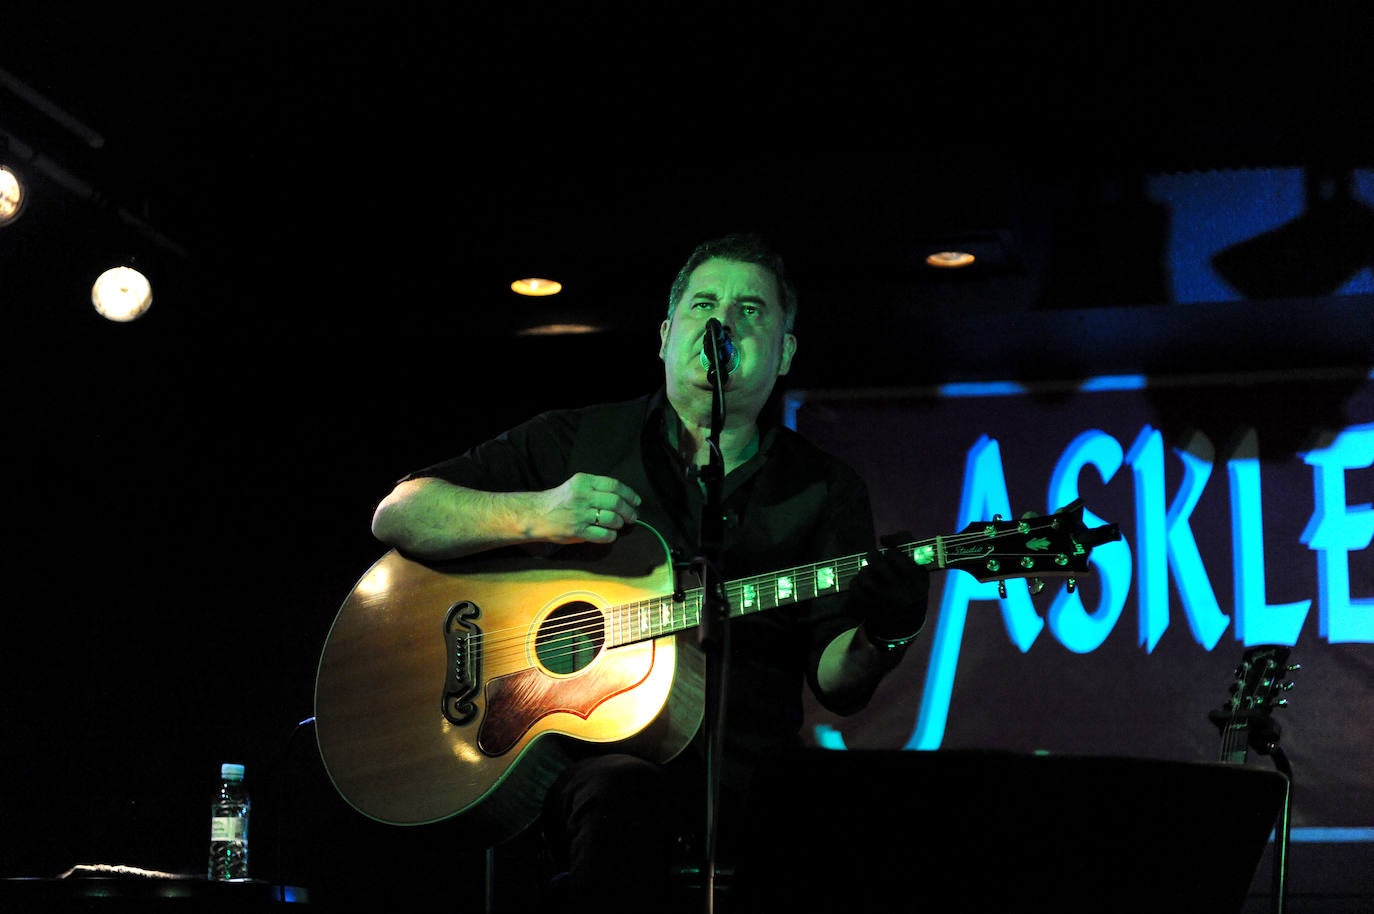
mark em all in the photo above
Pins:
pixel 462 688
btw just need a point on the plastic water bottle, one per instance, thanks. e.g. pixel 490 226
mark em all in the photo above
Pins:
pixel 229 826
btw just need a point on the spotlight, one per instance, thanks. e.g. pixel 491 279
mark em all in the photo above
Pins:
pixel 976 252
pixel 536 287
pixel 950 260
pixel 121 294
pixel 12 195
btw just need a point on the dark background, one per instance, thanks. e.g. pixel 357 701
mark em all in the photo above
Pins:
pixel 332 204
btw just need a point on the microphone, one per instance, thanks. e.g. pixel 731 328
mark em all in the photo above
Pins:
pixel 724 348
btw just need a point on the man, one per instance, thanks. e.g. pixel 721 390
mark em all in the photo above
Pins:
pixel 614 820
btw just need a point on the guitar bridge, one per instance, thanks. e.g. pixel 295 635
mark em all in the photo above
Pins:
pixel 463 669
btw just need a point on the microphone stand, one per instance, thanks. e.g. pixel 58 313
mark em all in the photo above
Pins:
pixel 715 613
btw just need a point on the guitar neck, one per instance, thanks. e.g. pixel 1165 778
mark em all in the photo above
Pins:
pixel 1032 547
pixel 1235 741
pixel 666 615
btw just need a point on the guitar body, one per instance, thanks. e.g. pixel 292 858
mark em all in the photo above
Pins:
pixel 467 686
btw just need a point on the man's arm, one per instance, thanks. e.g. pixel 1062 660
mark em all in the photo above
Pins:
pixel 431 518
pixel 852 666
pixel 890 595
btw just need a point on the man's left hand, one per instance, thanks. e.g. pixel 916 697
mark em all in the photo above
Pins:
pixel 890 593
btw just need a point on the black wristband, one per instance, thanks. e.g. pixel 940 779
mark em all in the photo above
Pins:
pixel 890 645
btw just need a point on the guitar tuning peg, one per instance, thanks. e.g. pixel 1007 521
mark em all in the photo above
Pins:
pixel 1287 686
pixel 1292 667
pixel 1002 589
pixel 1035 585
pixel 1071 585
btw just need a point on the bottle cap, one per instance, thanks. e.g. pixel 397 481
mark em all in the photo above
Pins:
pixel 231 772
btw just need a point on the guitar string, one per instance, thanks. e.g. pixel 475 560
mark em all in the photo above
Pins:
pixel 563 639
pixel 1236 736
pixel 1229 746
pixel 767 588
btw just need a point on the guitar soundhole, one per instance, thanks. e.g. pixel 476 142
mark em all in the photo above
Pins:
pixel 570 637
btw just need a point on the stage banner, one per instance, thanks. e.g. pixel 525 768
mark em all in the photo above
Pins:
pixel 1245 505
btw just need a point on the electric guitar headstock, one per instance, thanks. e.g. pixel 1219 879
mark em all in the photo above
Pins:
pixel 1035 547
pixel 1245 719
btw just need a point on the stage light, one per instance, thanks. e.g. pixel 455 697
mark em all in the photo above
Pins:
pixel 981 253
pixel 122 294
pixel 12 195
pixel 950 260
pixel 559 329
pixel 536 287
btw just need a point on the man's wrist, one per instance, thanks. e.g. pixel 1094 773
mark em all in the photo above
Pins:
pixel 889 645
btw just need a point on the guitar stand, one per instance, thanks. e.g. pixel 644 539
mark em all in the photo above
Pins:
pixel 1264 739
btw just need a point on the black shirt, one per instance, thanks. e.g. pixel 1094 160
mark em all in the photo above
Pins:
pixel 790 504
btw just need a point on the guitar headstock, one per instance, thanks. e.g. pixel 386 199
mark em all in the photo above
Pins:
pixel 1260 677
pixel 1245 718
pixel 1036 546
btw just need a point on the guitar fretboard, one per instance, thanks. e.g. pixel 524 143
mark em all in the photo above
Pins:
pixel 666 615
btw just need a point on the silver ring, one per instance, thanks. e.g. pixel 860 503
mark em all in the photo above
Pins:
pixel 596 518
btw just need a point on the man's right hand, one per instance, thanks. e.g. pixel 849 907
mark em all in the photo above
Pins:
pixel 588 508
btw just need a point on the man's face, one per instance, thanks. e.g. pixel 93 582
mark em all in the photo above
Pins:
pixel 745 298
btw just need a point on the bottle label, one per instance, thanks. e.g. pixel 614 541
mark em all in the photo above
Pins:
pixel 227 828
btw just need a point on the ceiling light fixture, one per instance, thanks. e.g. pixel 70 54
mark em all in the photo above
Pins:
pixel 973 252
pixel 12 195
pixel 559 329
pixel 947 260
pixel 121 294
pixel 536 287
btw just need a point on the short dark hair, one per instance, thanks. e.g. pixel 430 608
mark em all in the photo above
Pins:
pixel 745 247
